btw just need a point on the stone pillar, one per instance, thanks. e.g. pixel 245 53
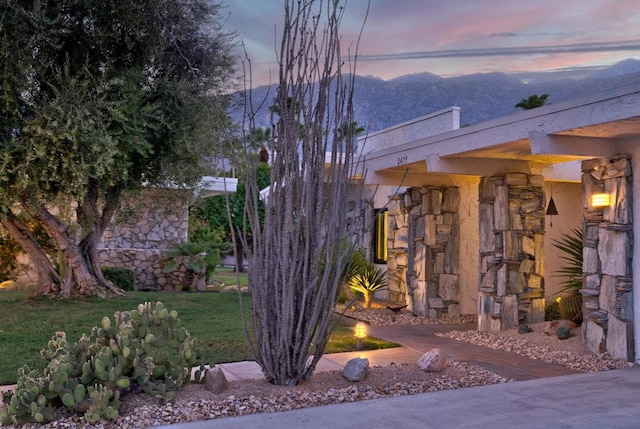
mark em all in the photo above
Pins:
pixel 511 216
pixel 607 252
pixel 424 252
pixel 397 243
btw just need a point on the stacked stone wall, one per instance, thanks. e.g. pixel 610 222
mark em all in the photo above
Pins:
pixel 143 227
pixel 424 244
pixel 607 255
pixel 512 219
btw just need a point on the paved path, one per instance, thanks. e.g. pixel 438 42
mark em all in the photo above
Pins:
pixel 421 338
pixel 609 399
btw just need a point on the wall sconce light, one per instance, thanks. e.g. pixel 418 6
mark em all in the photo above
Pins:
pixel 360 334
pixel 600 200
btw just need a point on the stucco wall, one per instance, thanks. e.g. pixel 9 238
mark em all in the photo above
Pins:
pixel 568 200
pixel 469 243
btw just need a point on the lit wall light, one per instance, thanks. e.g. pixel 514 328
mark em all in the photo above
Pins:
pixel 360 334
pixel 600 200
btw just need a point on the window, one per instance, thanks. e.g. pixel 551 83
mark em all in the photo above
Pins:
pixel 380 236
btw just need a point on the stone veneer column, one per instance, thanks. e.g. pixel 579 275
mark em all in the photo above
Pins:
pixel 511 216
pixel 424 245
pixel 607 253
pixel 397 244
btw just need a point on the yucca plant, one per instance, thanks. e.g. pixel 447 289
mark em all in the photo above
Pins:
pixel 367 281
pixel 570 298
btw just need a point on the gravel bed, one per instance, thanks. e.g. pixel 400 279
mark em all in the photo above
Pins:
pixel 382 316
pixel 257 396
pixel 570 353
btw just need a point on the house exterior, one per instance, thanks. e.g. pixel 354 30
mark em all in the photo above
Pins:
pixel 462 212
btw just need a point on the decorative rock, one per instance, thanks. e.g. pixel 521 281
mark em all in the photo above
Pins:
pixel 556 325
pixel 595 337
pixel 356 369
pixel 432 361
pixel 215 380
pixel 524 328
pixel 563 332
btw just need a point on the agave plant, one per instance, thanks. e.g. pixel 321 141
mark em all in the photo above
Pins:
pixel 367 281
pixel 569 297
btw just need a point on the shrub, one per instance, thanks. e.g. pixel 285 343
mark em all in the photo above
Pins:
pixel 140 350
pixel 124 278
pixel 570 303
pixel 198 258
pixel 367 281
pixel 552 311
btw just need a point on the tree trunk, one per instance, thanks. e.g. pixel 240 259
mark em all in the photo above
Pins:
pixel 93 225
pixel 367 299
pixel 48 277
pixel 239 254
pixel 82 279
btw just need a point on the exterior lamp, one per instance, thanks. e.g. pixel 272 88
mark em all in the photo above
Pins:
pixel 600 200
pixel 360 334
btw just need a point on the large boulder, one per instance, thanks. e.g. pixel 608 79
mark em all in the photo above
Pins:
pixel 432 361
pixel 356 369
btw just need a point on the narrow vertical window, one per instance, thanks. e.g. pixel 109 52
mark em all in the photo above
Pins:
pixel 380 236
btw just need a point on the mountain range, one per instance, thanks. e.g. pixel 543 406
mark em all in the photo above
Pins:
pixel 379 104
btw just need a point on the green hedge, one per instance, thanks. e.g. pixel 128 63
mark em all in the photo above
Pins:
pixel 124 278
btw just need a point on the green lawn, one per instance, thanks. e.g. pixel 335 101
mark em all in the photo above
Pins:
pixel 213 318
pixel 228 276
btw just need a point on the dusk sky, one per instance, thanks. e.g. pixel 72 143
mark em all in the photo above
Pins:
pixel 456 37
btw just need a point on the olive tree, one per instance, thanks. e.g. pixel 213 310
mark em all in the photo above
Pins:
pixel 301 247
pixel 97 99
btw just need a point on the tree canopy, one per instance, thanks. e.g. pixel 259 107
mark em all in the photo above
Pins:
pixel 533 101
pixel 98 98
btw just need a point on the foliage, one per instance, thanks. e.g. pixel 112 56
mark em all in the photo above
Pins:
pixel 356 265
pixel 295 251
pixel 533 101
pixel 552 311
pixel 10 249
pixel 122 277
pixel 96 99
pixel 369 280
pixel 211 218
pixel 198 258
pixel 145 349
pixel 570 304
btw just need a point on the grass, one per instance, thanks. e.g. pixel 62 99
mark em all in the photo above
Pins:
pixel 229 277
pixel 213 318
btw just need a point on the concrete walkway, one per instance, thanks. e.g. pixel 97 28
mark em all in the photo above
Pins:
pixel 608 399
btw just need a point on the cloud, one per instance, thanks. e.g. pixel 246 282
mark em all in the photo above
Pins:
pixel 627 45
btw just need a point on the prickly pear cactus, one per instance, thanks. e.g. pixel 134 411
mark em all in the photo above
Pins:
pixel 145 349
